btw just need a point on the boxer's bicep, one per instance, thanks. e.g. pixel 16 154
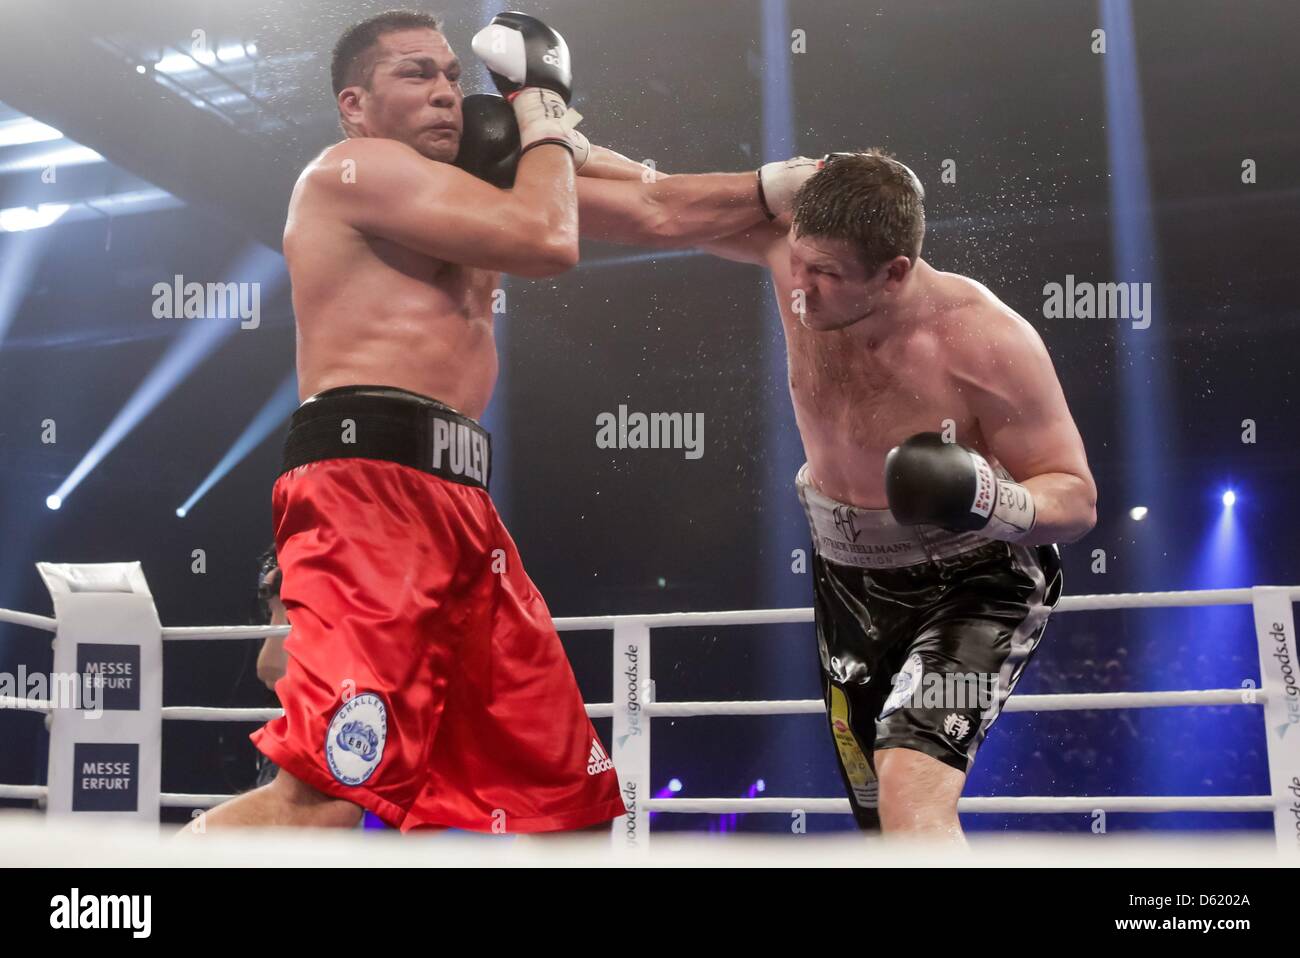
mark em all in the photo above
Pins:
pixel 433 208
pixel 1022 412
pixel 757 246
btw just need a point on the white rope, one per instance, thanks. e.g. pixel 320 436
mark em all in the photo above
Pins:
pixel 24 705
pixel 999 805
pixel 1020 703
pixel 1016 804
pixel 1070 603
pixel 671 620
pixel 1024 703
pixel 24 793
pixel 204 714
pixel 1019 804
pixel 32 793
pixel 1063 702
pixel 191 800
pixel 683 620
pixel 185 713
pixel 194 633
pixel 26 618
pixel 1164 600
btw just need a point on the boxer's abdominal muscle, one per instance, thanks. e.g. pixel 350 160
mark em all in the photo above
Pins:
pixel 375 313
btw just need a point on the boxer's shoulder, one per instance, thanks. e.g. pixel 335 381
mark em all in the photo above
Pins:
pixel 362 181
pixel 975 322
pixel 356 160
pixel 998 353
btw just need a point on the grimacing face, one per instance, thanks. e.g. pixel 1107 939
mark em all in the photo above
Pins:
pixel 414 94
pixel 837 289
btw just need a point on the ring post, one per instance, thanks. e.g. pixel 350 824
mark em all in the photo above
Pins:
pixel 106 688
pixel 1280 671
pixel 632 691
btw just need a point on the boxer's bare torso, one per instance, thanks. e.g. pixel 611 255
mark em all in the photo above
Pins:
pixel 879 355
pixel 936 366
pixel 371 311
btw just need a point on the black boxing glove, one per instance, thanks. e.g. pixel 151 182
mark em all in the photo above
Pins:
pixel 489 143
pixel 529 63
pixel 932 482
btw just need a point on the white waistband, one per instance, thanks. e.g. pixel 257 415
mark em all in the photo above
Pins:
pixel 872 538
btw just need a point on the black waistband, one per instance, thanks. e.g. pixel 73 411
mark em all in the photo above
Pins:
pixel 383 422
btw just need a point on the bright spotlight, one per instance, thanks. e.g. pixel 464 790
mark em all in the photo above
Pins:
pixel 53 502
pixel 180 513
pixel 21 218
pixel 1229 498
pixel 675 785
pixel 1138 513
pixel 26 130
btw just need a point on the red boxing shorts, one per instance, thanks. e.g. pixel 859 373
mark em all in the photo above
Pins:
pixel 425 679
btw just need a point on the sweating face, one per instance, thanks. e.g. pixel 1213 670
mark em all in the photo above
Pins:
pixel 414 93
pixel 837 289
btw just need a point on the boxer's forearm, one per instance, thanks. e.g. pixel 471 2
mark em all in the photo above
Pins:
pixel 706 206
pixel 1065 508
pixel 605 164
pixel 669 212
pixel 544 183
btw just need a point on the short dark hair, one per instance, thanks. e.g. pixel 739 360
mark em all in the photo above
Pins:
pixel 869 199
pixel 351 62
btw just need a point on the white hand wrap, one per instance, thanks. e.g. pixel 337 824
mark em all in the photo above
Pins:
pixel 543 117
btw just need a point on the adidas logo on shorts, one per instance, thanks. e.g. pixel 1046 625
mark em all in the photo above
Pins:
pixel 598 761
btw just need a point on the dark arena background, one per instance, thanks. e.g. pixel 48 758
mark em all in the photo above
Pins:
pixel 1147 142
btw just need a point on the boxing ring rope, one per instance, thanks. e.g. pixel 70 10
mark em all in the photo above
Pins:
pixel 632 635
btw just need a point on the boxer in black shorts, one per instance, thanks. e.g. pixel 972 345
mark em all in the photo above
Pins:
pixel 918 395
pixel 922 635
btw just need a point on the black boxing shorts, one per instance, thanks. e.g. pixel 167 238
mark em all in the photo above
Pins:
pixel 922 634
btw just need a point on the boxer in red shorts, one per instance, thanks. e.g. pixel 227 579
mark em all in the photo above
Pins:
pixel 425 680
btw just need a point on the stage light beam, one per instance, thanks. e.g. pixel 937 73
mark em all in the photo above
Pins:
pixel 195 342
pixel 274 411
